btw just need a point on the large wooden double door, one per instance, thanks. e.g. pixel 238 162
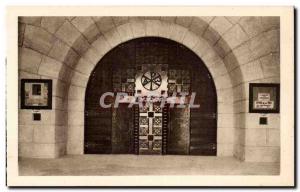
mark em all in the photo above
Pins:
pixel 138 68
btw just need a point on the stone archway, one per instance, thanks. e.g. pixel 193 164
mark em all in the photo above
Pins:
pixel 138 28
pixel 237 50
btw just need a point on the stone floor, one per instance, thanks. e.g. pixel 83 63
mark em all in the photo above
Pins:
pixel 143 165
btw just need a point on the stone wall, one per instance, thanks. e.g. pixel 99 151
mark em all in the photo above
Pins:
pixel 236 50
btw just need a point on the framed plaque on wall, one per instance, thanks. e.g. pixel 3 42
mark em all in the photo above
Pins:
pixel 264 97
pixel 36 94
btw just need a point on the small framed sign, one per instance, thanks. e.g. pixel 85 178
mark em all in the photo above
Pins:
pixel 36 94
pixel 264 98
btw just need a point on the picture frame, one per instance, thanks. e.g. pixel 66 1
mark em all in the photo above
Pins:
pixel 36 94
pixel 264 98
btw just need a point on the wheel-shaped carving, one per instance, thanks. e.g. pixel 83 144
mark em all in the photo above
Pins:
pixel 151 80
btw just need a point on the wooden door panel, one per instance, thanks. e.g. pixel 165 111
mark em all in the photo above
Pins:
pixel 122 130
pixel 179 128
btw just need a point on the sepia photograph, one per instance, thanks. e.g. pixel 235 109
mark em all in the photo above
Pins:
pixel 176 93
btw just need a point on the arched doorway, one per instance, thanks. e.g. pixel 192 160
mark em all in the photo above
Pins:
pixel 144 65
